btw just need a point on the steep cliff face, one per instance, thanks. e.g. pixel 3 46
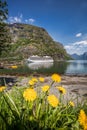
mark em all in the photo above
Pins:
pixel 32 40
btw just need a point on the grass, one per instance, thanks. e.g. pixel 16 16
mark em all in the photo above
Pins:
pixel 32 107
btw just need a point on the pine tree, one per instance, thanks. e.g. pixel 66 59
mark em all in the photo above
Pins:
pixel 4 32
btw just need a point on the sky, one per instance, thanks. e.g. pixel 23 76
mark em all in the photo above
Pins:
pixel 64 20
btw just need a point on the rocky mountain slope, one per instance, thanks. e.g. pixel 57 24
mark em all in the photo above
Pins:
pixel 30 40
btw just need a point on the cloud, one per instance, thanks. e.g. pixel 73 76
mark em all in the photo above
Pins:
pixel 19 19
pixel 78 34
pixel 31 20
pixel 26 20
pixel 84 42
pixel 77 47
pixel 15 19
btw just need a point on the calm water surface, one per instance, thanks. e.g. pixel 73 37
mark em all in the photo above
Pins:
pixel 76 67
pixel 63 67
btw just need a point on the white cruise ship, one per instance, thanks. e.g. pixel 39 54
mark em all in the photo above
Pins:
pixel 38 59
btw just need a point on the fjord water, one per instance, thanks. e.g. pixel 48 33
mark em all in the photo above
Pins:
pixel 77 67
pixel 71 67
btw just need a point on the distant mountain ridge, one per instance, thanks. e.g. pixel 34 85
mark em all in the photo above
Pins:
pixel 80 57
pixel 30 40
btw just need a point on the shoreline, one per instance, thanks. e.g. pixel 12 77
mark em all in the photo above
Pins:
pixel 66 79
pixel 36 74
pixel 74 84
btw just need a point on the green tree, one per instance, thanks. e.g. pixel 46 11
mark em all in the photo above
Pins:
pixel 4 32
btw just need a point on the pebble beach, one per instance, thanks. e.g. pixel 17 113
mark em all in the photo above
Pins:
pixel 75 85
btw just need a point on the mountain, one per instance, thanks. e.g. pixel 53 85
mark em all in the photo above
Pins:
pixel 80 57
pixel 30 40
pixel 84 56
pixel 75 56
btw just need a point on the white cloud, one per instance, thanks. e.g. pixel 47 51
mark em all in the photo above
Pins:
pixel 26 20
pixel 84 42
pixel 77 47
pixel 78 34
pixel 31 20
pixel 15 19
pixel 19 19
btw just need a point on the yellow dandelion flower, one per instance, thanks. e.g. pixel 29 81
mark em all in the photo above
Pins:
pixel 45 88
pixel 14 66
pixel 83 119
pixel 41 79
pixel 53 100
pixel 31 82
pixel 61 90
pixel 85 127
pixel 2 88
pixel 30 94
pixel 71 104
pixel 35 80
pixel 56 78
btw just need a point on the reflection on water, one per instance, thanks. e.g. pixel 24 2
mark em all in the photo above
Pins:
pixel 77 67
pixel 40 65
pixel 52 67
pixel 61 67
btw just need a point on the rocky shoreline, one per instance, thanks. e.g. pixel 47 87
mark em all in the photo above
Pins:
pixel 75 85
